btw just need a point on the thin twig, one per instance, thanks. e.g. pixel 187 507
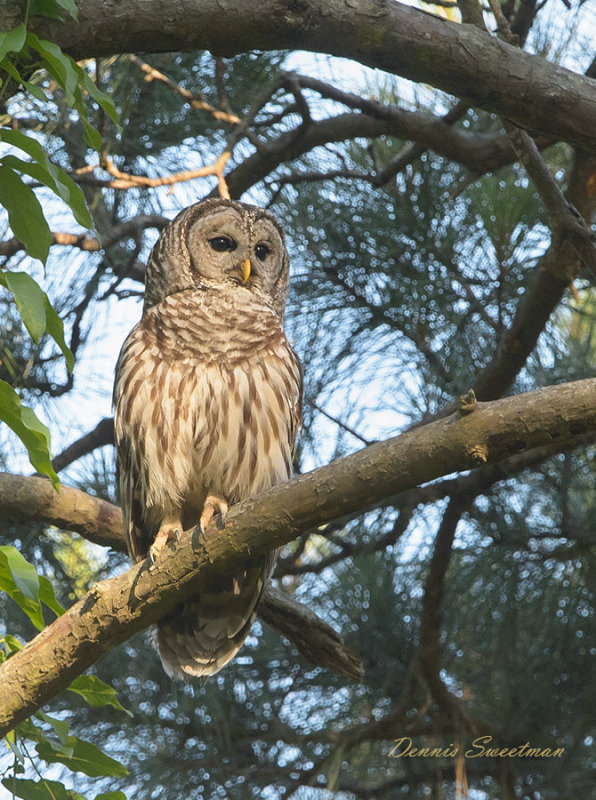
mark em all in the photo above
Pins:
pixel 196 102
pixel 125 180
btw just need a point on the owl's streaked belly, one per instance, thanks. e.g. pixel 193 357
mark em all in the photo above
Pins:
pixel 207 425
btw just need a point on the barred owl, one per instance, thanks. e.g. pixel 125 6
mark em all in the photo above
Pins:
pixel 207 403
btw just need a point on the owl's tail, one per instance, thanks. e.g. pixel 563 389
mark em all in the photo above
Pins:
pixel 206 631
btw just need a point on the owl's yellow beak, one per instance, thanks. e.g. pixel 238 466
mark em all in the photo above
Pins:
pixel 246 270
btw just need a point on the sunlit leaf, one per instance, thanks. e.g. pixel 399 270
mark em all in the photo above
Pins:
pixel 12 644
pixel 85 757
pixel 59 726
pixel 19 580
pixel 30 430
pixel 117 795
pixel 39 790
pixel 96 692
pixel 47 596
pixel 13 744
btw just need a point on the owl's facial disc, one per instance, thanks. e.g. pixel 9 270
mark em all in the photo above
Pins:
pixel 229 246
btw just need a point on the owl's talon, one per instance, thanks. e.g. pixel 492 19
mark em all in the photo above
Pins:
pixel 167 533
pixel 215 508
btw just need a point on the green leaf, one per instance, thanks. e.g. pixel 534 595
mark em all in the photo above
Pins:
pixel 19 580
pixel 51 175
pixel 37 312
pixel 51 8
pixel 27 729
pixel 91 136
pixel 70 7
pixel 13 41
pixel 33 433
pixel 117 795
pixel 45 8
pixel 30 300
pixel 101 98
pixel 73 79
pixel 61 66
pixel 25 214
pixel 23 573
pixel 12 742
pixel 47 596
pixel 86 758
pixel 11 644
pixel 59 726
pixel 96 692
pixel 36 91
pixel 40 790
pixel 55 328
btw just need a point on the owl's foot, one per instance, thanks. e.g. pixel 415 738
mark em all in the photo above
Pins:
pixel 170 531
pixel 215 507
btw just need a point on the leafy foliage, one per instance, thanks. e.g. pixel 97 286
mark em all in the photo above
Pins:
pixel 53 742
pixel 25 214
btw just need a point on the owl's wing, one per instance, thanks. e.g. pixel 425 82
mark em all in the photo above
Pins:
pixel 138 538
pixel 296 399
pixel 129 477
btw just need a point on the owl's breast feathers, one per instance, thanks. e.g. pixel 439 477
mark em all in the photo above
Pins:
pixel 207 401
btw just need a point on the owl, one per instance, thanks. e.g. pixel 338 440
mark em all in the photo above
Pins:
pixel 207 404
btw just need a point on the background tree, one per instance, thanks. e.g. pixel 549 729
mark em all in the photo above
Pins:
pixel 436 247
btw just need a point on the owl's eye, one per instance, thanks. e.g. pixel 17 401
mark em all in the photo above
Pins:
pixel 222 243
pixel 262 251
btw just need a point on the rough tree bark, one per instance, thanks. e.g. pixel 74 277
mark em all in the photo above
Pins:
pixel 460 59
pixel 116 608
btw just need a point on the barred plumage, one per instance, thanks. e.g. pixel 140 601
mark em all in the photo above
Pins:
pixel 207 405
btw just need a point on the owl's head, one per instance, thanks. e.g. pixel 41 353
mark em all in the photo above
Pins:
pixel 220 244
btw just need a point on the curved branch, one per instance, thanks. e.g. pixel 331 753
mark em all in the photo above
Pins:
pixel 459 59
pixel 478 152
pixel 116 608
pixel 101 435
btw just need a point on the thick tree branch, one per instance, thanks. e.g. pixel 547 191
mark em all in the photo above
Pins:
pixel 32 499
pixel 459 59
pixel 115 609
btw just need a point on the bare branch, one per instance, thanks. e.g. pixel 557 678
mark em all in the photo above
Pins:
pixel 316 640
pixel 102 434
pixel 124 180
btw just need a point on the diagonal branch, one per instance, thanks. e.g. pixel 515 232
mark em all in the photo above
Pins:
pixel 116 608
